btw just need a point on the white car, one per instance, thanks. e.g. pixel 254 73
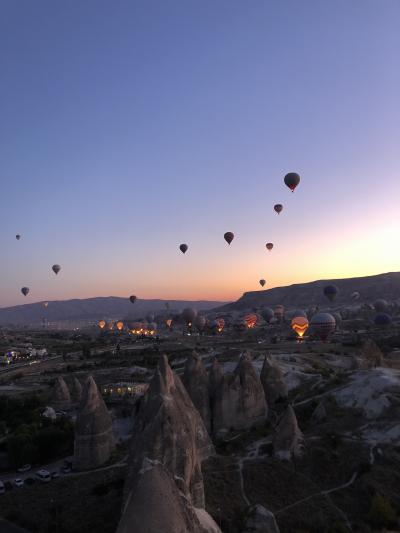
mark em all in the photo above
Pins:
pixel 43 475
pixel 18 482
pixel 24 468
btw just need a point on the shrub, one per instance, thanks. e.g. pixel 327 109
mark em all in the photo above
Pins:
pixel 381 513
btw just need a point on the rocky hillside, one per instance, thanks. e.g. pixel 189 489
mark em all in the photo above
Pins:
pixel 94 309
pixel 305 294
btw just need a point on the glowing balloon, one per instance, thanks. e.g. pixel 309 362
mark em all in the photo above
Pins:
pixel 102 324
pixel 292 180
pixel 200 322
pixel 229 236
pixel 278 208
pixel 25 291
pixel 269 246
pixel 262 282
pixel 323 324
pixel 45 304
pixel 220 324
pixel 183 248
pixel 168 322
pixel 56 269
pixel 120 325
pixel 132 298
pixel 188 315
pixel 331 291
pixel 251 320
pixel 299 324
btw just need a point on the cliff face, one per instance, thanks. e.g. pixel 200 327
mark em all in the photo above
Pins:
pixel 273 382
pixel 94 438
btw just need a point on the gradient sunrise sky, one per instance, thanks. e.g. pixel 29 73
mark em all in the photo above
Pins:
pixel 129 127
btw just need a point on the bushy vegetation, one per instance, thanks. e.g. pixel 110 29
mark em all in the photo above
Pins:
pixel 381 513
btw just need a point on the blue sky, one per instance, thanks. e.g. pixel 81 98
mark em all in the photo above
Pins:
pixel 128 127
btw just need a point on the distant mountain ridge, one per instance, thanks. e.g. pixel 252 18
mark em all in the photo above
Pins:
pixel 301 295
pixel 94 309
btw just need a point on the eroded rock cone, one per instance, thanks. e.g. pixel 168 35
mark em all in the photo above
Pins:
pixel 76 390
pixel 170 430
pixel 319 414
pixel 197 384
pixel 288 441
pixel 371 354
pixel 94 438
pixel 239 401
pixel 61 397
pixel 273 381
pixel 260 520
pixel 155 504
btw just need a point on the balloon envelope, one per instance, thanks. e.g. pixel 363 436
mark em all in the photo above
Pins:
pixel 229 236
pixel 132 298
pixel 102 324
pixel 278 208
pixel 183 248
pixel 56 269
pixel 323 325
pixel 382 319
pixel 18 237
pixel 267 314
pixel 120 325
pixel 262 282
pixel 300 325
pixel 269 246
pixel 331 292
pixel 25 290
pixel 188 315
pixel 292 180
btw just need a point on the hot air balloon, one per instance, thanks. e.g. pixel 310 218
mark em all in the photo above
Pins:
pixel 220 324
pixel 18 237
pixel 168 322
pixel 188 315
pixel 331 292
pixel 380 305
pixel 299 324
pixel 278 208
pixel 292 180
pixel 382 320
pixel 183 248
pixel 102 324
pixel 279 311
pixel 269 246
pixel 267 314
pixel 132 298
pixel 355 295
pixel 229 236
pixel 56 269
pixel 120 325
pixel 200 322
pixel 262 282
pixel 251 320
pixel 25 291
pixel 45 304
pixel 323 324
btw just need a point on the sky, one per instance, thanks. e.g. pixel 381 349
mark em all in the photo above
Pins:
pixel 129 127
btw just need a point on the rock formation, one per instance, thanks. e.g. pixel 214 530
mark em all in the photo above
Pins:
pixel 169 430
pixel 319 414
pixel 273 382
pixel 94 438
pixel 239 401
pixel 260 520
pixel 76 390
pixel 197 384
pixel 155 504
pixel 61 398
pixel 288 440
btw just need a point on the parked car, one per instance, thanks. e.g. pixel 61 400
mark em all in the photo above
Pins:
pixel 2 488
pixel 24 468
pixel 66 469
pixel 18 482
pixel 43 475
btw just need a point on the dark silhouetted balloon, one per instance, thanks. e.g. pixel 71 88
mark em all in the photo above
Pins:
pixel 188 315
pixel 292 180
pixel 323 324
pixel 267 314
pixel 229 236
pixel 200 322
pixel 56 269
pixel 331 292
pixel 278 208
pixel 25 290
pixel 262 282
pixel 269 246
pixel 18 237
pixel 132 298
pixel 382 319
pixel 380 305
pixel 183 248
